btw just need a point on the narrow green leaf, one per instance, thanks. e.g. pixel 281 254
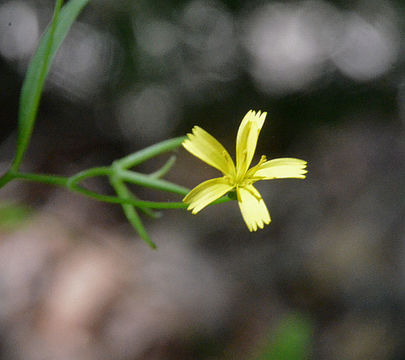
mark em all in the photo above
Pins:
pixel 134 219
pixel 130 211
pixel 38 70
pixel 164 169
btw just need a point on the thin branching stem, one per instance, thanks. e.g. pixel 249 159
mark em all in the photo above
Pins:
pixel 141 156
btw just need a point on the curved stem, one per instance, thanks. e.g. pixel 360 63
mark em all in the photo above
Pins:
pixel 72 184
pixel 127 200
pixel 5 179
pixel 149 152
pixel 42 178
pixel 89 173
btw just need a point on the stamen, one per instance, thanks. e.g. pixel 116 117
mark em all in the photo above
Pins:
pixel 263 159
pixel 250 174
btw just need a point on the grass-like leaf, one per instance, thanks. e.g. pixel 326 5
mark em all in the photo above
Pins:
pixel 130 211
pixel 38 70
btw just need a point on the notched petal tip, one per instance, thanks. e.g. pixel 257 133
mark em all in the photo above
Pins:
pixel 191 136
pixel 204 146
pixel 258 117
pixel 259 224
pixel 253 209
pixel 194 131
pixel 282 168
pixel 193 209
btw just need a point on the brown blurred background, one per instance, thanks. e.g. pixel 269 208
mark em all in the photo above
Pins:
pixel 76 282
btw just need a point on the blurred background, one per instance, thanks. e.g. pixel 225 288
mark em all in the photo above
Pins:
pixel 325 280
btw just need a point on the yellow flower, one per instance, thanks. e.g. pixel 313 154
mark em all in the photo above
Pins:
pixel 240 178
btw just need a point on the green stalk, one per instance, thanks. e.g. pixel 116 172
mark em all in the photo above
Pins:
pixel 5 179
pixel 89 173
pixel 128 200
pixel 147 181
pixel 41 178
pixel 149 152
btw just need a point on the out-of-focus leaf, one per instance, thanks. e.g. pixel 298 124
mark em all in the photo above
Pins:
pixel 38 71
pixel 290 341
pixel 13 215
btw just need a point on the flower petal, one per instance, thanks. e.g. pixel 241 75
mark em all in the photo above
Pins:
pixel 246 140
pixel 208 149
pixel 281 168
pixel 206 192
pixel 252 207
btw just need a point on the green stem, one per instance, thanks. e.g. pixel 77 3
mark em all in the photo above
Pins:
pixel 130 201
pixel 72 184
pixel 41 178
pixel 74 187
pixel 146 210
pixel 147 181
pixel 136 178
pixel 5 179
pixel 89 173
pixel 149 152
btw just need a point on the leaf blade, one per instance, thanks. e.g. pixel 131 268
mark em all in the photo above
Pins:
pixel 38 71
